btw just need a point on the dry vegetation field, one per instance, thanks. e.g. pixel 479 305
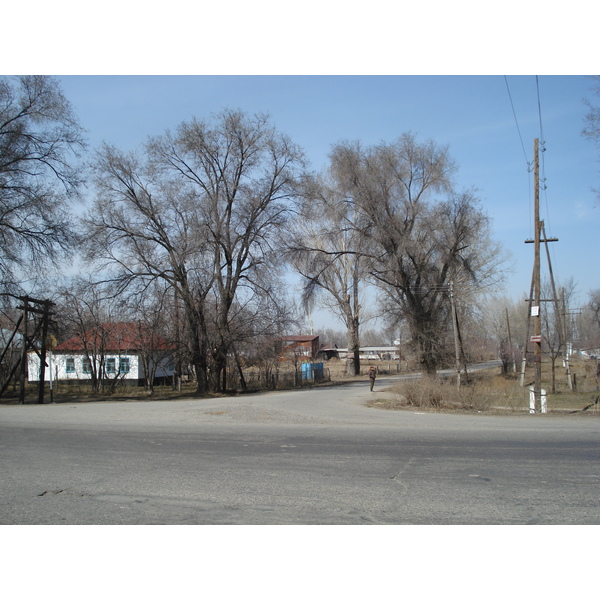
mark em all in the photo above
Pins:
pixel 490 391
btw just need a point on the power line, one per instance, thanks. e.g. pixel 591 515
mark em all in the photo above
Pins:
pixel 517 122
pixel 543 142
pixel 542 138
pixel 537 84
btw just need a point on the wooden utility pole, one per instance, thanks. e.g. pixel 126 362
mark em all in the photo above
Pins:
pixel 535 299
pixel 29 341
pixel 455 329
pixel 44 346
pixel 25 346
pixel 510 344
pixel 537 322
pixel 458 346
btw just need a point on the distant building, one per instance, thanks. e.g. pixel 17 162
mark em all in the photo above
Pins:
pixel 373 353
pixel 329 351
pixel 299 348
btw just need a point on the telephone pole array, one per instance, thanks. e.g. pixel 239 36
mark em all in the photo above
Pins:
pixel 35 340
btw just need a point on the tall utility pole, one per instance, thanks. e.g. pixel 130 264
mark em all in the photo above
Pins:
pixel 537 321
pixel 458 345
pixel 25 347
pixel 535 299
pixel 510 344
pixel 456 342
pixel 46 314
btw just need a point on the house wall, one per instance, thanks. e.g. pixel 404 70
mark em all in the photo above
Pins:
pixel 58 362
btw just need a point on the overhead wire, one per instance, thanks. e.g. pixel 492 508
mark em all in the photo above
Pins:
pixel 517 122
pixel 530 164
pixel 544 187
pixel 527 161
pixel 537 85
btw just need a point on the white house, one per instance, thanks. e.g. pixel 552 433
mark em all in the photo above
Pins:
pixel 113 351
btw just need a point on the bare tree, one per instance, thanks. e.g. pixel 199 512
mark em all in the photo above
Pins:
pixel 327 250
pixel 589 325
pixel 419 242
pixel 145 228
pixel 553 332
pixel 152 314
pixel 594 306
pixel 38 136
pixel 200 212
pixel 85 312
pixel 242 173
pixel 503 321
pixel 254 331
pixel 592 120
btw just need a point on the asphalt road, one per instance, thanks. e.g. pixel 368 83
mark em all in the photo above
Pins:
pixel 302 457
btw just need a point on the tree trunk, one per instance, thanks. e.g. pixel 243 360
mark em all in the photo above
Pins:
pixel 240 369
pixel 353 364
pixel 218 370
pixel 429 366
pixel 198 349
pixel 429 362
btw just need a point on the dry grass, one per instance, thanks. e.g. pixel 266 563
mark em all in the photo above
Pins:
pixel 487 392
pixel 481 394
pixel 83 393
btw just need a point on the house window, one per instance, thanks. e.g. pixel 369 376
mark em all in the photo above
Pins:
pixel 70 365
pixel 111 365
pixel 87 365
pixel 124 365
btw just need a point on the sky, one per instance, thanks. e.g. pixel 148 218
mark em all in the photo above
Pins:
pixel 489 123
pixel 328 71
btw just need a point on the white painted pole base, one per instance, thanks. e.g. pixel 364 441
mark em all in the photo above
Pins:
pixel 543 401
pixel 531 400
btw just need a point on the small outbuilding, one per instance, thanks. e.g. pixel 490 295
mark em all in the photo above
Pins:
pixel 303 348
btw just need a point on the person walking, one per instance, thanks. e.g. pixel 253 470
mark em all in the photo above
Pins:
pixel 372 375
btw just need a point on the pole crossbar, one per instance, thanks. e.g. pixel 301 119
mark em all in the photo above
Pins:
pixel 545 240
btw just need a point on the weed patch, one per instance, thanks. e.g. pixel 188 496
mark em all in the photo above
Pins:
pixel 481 394
pixel 484 392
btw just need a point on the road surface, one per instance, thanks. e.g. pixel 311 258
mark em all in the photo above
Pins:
pixel 311 456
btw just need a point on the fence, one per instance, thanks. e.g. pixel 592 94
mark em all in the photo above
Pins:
pixel 273 379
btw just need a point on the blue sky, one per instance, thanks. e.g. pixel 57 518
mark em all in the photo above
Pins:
pixel 473 115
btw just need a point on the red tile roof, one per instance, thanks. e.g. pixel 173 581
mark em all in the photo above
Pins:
pixel 121 337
